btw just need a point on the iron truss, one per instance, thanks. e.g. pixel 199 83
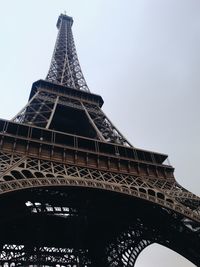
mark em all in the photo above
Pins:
pixel 122 249
pixel 18 255
pixel 44 150
pixel 123 252
pixel 24 172
pixel 41 109
pixel 65 68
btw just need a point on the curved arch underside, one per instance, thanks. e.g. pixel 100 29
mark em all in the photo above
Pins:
pixel 87 227
pixel 19 172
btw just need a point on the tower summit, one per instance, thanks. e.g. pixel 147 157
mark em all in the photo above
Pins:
pixel 65 68
pixel 73 191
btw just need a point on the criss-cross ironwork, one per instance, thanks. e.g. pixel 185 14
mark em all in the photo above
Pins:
pixel 73 191
pixel 65 68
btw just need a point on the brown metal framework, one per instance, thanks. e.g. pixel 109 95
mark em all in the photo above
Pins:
pixel 65 68
pixel 74 191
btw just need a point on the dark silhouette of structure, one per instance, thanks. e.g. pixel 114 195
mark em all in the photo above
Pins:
pixel 74 191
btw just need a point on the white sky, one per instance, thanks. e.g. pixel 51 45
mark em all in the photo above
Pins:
pixel 142 56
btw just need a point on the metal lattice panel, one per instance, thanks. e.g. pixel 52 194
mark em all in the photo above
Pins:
pixel 8 161
pixel 38 111
pixel 125 249
pixel 34 172
pixel 41 109
pixel 18 255
pixel 108 131
pixel 65 68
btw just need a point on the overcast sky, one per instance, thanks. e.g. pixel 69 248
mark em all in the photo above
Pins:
pixel 142 56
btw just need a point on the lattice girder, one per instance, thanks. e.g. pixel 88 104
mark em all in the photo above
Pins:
pixel 42 107
pixel 18 255
pixel 126 248
pixel 38 111
pixel 30 172
pixel 101 242
pixel 65 68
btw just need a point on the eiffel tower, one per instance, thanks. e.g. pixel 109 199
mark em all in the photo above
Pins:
pixel 74 191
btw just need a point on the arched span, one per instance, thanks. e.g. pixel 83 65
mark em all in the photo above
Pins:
pixel 26 172
pixel 17 180
pixel 121 226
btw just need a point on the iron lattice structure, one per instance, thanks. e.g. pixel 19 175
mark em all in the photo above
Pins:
pixel 65 68
pixel 74 191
